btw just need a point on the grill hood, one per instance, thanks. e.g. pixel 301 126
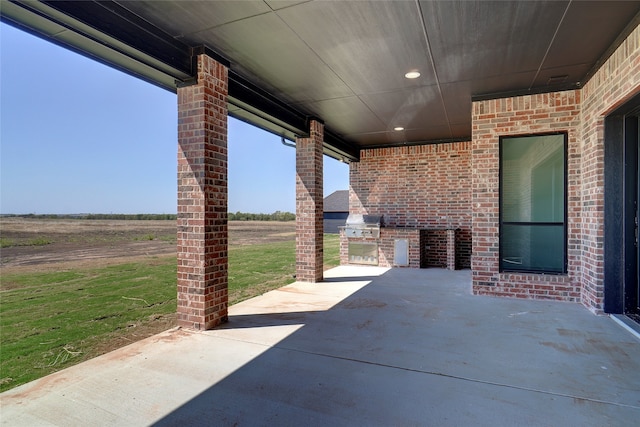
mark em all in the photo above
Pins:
pixel 359 220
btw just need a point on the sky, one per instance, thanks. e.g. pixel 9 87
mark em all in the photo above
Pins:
pixel 77 136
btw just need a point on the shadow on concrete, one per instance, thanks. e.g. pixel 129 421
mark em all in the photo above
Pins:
pixel 414 347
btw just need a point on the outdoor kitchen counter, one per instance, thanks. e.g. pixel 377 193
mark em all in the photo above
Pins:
pixel 404 246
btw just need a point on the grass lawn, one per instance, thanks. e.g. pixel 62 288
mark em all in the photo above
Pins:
pixel 49 321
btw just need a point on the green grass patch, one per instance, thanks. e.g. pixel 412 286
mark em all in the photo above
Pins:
pixel 37 241
pixel 256 269
pixel 331 250
pixel 146 237
pixel 6 243
pixel 50 321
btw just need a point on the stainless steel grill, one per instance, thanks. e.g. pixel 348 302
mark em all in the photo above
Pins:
pixel 363 232
pixel 361 226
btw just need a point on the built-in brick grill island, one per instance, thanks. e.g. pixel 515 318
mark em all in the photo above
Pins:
pixel 368 240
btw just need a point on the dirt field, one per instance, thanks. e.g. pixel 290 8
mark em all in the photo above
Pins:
pixel 45 244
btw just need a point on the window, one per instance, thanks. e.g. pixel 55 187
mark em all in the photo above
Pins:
pixel 533 203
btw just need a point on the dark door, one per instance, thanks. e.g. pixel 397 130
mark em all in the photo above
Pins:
pixel 632 284
pixel 622 210
pixel 631 190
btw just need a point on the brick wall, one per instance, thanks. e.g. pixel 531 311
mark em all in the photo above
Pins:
pixel 309 205
pixel 614 83
pixel 581 113
pixel 531 114
pixel 457 184
pixel 202 198
pixel 436 243
pixel 427 186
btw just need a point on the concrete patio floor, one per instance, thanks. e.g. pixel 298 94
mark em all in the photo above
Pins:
pixel 367 347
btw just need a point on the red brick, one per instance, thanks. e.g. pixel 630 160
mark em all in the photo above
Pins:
pixel 202 198
pixel 309 205
pixel 420 187
pixel 581 114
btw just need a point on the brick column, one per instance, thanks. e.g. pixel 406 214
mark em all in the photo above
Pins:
pixel 202 198
pixel 309 205
pixel 451 248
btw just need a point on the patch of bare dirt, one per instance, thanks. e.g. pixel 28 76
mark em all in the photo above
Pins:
pixel 52 244
pixel 252 232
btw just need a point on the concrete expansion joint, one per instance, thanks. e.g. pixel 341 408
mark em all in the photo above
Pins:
pixel 457 377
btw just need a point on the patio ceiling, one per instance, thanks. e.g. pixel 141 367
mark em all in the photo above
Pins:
pixel 345 61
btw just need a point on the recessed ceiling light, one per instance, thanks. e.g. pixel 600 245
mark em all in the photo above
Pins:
pixel 412 74
pixel 398 128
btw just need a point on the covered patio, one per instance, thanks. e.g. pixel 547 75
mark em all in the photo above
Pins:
pixel 420 98
pixel 426 101
pixel 369 346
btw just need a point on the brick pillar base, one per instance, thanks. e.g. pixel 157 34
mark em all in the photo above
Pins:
pixel 202 198
pixel 309 205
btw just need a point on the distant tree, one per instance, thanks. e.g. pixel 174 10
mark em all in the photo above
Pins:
pixel 100 216
pixel 276 216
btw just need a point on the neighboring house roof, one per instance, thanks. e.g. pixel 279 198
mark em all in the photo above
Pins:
pixel 338 201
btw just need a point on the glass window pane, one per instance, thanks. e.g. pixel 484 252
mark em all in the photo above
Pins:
pixel 533 248
pixel 532 203
pixel 533 179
